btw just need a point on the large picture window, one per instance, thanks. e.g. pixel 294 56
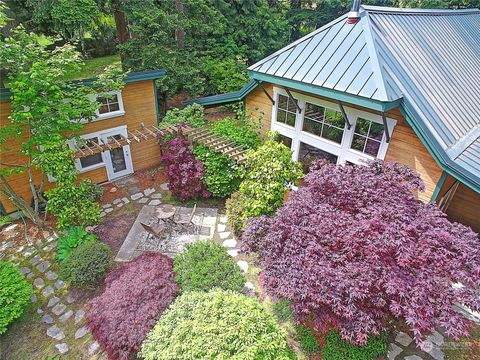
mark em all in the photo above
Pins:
pixel 318 130
pixel 286 111
pixel 323 122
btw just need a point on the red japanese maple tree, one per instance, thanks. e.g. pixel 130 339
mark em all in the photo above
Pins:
pixel 353 247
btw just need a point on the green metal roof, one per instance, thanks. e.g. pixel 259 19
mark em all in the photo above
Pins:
pixel 136 76
pixel 224 98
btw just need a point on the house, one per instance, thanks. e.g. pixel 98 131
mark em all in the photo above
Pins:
pixel 386 83
pixel 119 141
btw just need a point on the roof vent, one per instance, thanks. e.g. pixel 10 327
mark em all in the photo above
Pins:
pixel 354 14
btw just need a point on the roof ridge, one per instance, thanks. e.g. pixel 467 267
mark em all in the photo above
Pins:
pixel 417 11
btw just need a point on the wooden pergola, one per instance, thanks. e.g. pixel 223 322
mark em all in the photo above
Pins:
pixel 201 135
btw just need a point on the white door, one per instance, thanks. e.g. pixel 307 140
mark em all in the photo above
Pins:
pixel 119 161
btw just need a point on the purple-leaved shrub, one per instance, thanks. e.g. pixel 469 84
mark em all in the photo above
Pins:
pixel 183 170
pixel 353 247
pixel 135 296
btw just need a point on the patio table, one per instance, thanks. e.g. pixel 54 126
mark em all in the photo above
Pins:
pixel 165 212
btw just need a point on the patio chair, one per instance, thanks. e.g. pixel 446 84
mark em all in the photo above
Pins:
pixel 186 221
pixel 154 230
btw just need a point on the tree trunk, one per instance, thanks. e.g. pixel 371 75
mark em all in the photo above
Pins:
pixel 180 33
pixel 121 26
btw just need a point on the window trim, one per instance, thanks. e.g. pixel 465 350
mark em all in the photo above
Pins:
pixel 109 115
pixel 343 151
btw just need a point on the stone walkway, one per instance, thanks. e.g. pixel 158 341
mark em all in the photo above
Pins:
pixel 404 348
pixel 56 307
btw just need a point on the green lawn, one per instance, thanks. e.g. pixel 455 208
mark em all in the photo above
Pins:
pixel 93 67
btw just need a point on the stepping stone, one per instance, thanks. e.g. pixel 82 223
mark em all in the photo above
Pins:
pixel 79 315
pixel 125 200
pixel 39 311
pixel 403 339
pixel 436 338
pixel 55 332
pixel 43 266
pixel 51 238
pixel 393 351
pixel 164 186
pixel 62 348
pixel 224 235
pixel 51 275
pixel 66 316
pixel 39 283
pixel 29 276
pixel 106 206
pixel 143 201
pixel 148 191
pixel 116 201
pixel 120 205
pixel 233 252
pixel 47 291
pixel 136 196
pixel 35 260
pixel 102 214
pixel 47 319
pixel 156 196
pixel 49 248
pixel 109 210
pixel 33 298
pixel 154 202
pixel 81 332
pixel 243 265
pixel 249 289
pixel 29 252
pixel 93 348
pixel 221 227
pixel 436 353
pixel 25 270
pixel 230 243
pixel 59 309
pixel 59 284
pixel 53 301
pixel 113 189
pixel 224 219
pixel 413 357
pixel 209 221
pixel 70 299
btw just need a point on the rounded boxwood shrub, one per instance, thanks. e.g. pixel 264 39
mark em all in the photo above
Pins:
pixel 220 324
pixel 205 265
pixel 235 209
pixel 337 348
pixel 135 296
pixel 87 265
pixel 15 293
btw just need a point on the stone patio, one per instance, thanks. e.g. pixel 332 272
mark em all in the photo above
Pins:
pixel 138 241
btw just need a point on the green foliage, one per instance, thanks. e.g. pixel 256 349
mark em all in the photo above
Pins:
pixel 242 130
pixel 267 173
pixel 338 349
pixel 87 265
pixel 235 207
pixel 15 293
pixel 216 325
pixel 5 219
pixel 308 342
pixel 74 204
pixel 282 310
pixel 205 265
pixel 222 176
pixel 192 115
pixel 75 236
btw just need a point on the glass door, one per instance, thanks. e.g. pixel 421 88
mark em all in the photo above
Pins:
pixel 119 162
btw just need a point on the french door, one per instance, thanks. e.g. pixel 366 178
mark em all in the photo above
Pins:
pixel 118 160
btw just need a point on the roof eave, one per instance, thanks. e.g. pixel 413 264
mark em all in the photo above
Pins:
pixel 227 98
pixel 368 103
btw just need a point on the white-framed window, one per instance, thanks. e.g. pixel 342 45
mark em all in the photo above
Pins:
pixel 111 105
pixel 320 131
pixel 92 161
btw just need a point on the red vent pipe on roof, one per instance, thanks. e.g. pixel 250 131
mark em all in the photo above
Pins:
pixel 354 14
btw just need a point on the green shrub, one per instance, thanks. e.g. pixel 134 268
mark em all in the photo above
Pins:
pixel 243 131
pixel 235 209
pixel 222 176
pixel 308 342
pixel 67 243
pixel 74 203
pixel 282 310
pixel 15 293
pixel 267 173
pixel 191 114
pixel 205 265
pixel 218 324
pixel 87 265
pixel 338 349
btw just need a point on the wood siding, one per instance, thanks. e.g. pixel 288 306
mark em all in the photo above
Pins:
pixel 405 147
pixel 139 105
